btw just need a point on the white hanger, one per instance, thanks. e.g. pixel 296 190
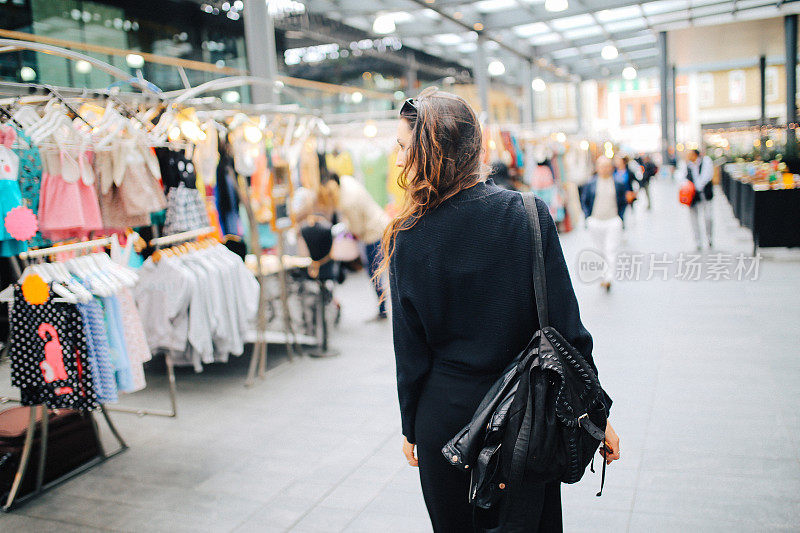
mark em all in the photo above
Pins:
pixel 26 116
pixel 82 269
pixel 62 275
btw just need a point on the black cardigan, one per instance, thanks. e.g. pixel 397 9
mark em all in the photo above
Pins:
pixel 462 291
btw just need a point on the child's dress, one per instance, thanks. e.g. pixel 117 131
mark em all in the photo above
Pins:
pixel 10 195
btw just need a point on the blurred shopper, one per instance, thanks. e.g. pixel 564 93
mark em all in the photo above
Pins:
pixel 603 201
pixel 626 175
pixel 700 171
pixel 649 171
pixel 364 219
pixel 463 304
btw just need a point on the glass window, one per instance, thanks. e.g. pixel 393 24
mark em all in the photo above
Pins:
pixel 706 89
pixel 629 118
pixel 772 82
pixel 736 86
pixel 540 103
pixel 559 100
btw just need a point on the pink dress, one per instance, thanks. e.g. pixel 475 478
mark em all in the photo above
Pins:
pixel 68 206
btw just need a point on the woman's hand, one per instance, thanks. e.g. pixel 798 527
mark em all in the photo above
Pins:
pixel 611 444
pixel 408 451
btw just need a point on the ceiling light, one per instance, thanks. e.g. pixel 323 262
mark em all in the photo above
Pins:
pixel 384 24
pixel 357 97
pixel 230 97
pixel 561 137
pixel 584 145
pixel 83 66
pixel 399 95
pixel 477 26
pixel 629 73
pixel 458 15
pixel 134 60
pixel 538 85
pixel 609 52
pixel 556 5
pixel 27 74
pixel 496 68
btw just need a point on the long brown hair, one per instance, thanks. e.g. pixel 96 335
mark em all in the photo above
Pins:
pixel 445 152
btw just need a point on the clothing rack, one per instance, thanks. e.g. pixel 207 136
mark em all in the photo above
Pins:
pixel 173 390
pixel 12 499
pixel 105 242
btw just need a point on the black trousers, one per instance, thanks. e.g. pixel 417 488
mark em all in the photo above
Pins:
pixel 445 491
pixel 446 404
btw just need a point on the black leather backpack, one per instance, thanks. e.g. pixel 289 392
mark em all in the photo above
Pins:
pixel 544 419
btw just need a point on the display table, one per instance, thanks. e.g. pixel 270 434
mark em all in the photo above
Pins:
pixel 773 215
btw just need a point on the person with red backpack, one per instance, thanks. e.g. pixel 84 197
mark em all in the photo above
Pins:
pixel 698 171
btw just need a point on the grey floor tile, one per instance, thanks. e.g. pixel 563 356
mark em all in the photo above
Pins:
pixel 324 519
pixel 597 520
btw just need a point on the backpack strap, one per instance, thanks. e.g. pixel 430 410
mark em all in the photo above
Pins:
pixel 537 249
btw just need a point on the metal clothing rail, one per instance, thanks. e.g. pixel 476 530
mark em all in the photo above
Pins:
pixel 12 45
pixel 77 246
pixel 181 237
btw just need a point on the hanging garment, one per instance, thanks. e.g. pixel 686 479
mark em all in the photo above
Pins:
pixel 112 203
pixel 226 196
pixel 176 168
pixel 105 384
pixel 374 167
pixel 10 195
pixel 49 354
pixel 68 205
pixel 206 157
pixel 340 163
pixel 116 342
pixel 162 297
pixel 137 174
pixel 309 165
pixel 135 341
pixel 30 179
pixel 186 210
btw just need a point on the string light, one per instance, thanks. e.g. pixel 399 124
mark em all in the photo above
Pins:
pixel 370 129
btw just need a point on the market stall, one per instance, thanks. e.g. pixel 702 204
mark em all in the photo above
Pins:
pixel 766 201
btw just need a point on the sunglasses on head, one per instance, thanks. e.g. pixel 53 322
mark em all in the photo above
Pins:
pixel 409 106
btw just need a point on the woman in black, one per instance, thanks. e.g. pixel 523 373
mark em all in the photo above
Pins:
pixel 459 263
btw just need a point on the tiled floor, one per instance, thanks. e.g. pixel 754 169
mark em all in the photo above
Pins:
pixel 705 376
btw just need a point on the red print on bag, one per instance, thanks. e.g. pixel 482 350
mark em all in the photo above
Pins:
pixel 53 365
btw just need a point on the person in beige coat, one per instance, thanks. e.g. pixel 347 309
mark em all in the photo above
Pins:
pixel 364 218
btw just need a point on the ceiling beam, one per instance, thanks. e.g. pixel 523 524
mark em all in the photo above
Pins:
pixel 486 34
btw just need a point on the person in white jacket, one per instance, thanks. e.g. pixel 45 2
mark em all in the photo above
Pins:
pixel 699 170
pixel 364 218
